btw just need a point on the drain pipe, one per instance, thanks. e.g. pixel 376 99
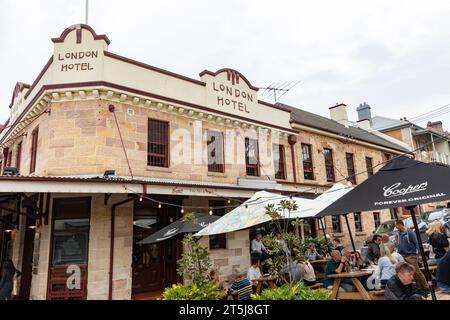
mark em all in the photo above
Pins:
pixel 111 246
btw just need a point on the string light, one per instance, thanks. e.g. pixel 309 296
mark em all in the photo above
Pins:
pixel 229 201
pixel 182 210
pixel 140 198
pixel 210 212
pixel 159 205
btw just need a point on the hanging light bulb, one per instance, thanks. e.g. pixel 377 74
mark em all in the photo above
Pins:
pixel 229 201
pixel 210 212
pixel 140 198
pixel 159 205
pixel 182 210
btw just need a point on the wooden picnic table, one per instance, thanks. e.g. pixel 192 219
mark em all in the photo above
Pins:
pixel 272 281
pixel 360 294
pixel 318 262
pixel 319 267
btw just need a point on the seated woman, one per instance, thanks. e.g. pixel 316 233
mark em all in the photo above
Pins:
pixel 241 285
pixel 309 276
pixel 312 253
pixel 222 285
pixel 254 272
pixel 386 264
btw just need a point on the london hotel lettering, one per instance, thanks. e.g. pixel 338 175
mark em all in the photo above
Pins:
pixel 73 60
pixel 231 97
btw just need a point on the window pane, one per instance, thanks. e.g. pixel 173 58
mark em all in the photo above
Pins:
pixel 369 166
pixel 308 171
pixel 358 222
pixel 251 157
pixel 158 143
pixel 329 167
pixel 278 160
pixel 336 224
pixel 70 241
pixel 350 168
pixel 215 151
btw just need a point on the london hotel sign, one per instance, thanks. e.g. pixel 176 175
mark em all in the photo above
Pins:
pixel 77 61
pixel 229 91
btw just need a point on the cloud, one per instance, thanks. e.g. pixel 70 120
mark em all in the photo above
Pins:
pixel 392 54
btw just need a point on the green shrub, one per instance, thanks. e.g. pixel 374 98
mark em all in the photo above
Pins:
pixel 298 291
pixel 206 291
pixel 321 245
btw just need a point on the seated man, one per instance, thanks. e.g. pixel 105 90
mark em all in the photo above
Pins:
pixel 312 253
pixel 337 245
pixel 443 273
pixel 337 264
pixel 258 247
pixel 241 285
pixel 400 286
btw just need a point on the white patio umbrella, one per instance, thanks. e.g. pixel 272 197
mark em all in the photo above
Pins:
pixel 321 202
pixel 252 212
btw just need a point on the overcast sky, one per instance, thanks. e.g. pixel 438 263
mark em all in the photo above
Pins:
pixel 395 55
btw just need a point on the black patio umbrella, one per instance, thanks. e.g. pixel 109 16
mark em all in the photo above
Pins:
pixel 179 226
pixel 402 182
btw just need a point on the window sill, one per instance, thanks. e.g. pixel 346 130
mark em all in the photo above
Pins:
pixel 217 174
pixel 218 249
pixel 253 177
pixel 361 233
pixel 338 235
pixel 159 169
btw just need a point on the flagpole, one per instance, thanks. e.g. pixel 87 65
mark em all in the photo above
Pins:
pixel 87 12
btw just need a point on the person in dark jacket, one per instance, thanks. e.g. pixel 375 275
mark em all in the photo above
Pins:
pixel 401 287
pixel 408 247
pixel 373 252
pixel 437 239
pixel 443 273
pixel 6 281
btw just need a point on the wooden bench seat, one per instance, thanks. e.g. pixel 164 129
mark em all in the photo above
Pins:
pixel 316 286
pixel 377 292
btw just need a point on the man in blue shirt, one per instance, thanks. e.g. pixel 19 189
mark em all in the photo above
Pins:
pixel 337 264
pixel 408 247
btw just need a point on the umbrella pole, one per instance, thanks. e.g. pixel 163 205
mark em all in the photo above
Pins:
pixel 324 234
pixel 350 232
pixel 422 252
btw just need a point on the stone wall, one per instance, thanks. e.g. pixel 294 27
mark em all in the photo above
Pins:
pixel 237 252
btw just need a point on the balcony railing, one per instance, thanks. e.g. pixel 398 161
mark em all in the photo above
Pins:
pixel 433 156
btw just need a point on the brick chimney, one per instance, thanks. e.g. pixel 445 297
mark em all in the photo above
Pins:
pixel 435 126
pixel 339 113
pixel 364 112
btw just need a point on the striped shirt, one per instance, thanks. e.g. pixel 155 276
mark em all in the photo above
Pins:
pixel 243 288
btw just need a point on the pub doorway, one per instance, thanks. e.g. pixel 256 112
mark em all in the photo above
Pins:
pixel 154 265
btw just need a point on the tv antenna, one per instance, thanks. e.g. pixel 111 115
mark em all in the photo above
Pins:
pixel 275 87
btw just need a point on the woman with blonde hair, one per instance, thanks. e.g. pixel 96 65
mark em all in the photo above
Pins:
pixel 386 263
pixel 394 253
pixel 438 240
